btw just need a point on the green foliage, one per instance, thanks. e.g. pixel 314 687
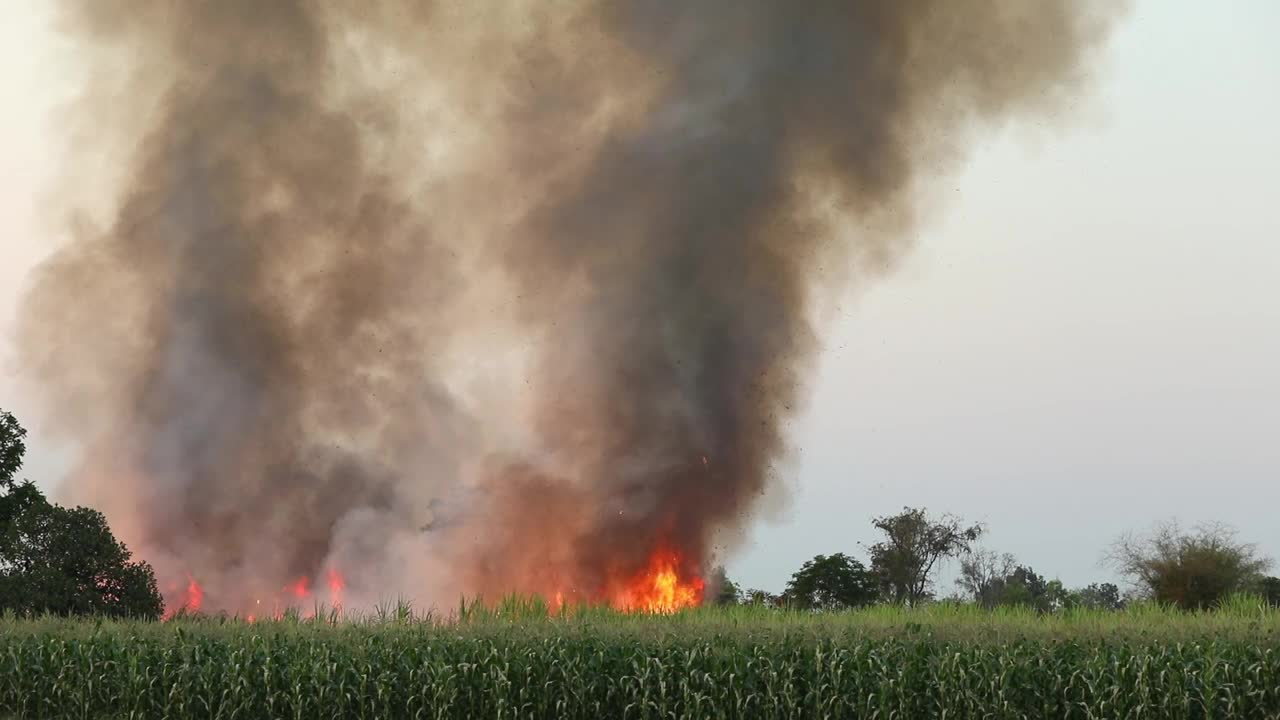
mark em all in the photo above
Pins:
pixel 914 544
pixel 761 598
pixel 66 562
pixel 1097 596
pixel 733 662
pixel 1269 589
pixel 993 580
pixel 1191 570
pixel 12 448
pixel 832 582
pixel 59 560
pixel 1026 588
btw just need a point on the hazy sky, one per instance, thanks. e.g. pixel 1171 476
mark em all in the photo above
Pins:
pixel 1085 339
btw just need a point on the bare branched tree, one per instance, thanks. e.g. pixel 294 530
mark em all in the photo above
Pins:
pixel 982 574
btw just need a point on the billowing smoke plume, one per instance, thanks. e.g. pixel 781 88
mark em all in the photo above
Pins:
pixel 487 297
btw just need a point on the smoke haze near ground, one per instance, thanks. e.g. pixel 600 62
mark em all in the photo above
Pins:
pixel 470 299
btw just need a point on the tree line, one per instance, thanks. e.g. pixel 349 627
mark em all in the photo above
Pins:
pixel 60 560
pixel 65 561
pixel 1191 569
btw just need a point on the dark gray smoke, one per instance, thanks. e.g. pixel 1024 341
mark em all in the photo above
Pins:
pixel 491 297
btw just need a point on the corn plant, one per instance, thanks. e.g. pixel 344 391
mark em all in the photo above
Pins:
pixel 516 659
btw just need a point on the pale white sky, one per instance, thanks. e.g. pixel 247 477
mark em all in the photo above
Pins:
pixel 1085 340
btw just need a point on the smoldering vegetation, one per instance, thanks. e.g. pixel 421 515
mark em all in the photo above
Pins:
pixel 487 297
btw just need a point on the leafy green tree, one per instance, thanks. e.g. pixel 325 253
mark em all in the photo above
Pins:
pixel 1097 596
pixel 1026 588
pixel 59 560
pixel 1269 588
pixel 831 582
pixel 1192 570
pixel 993 580
pixel 725 591
pixel 914 544
pixel 12 449
pixel 1057 596
pixel 756 596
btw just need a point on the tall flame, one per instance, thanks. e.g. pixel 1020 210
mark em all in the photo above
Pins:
pixel 659 588
pixel 192 599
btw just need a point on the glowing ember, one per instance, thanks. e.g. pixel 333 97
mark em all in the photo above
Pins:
pixel 660 588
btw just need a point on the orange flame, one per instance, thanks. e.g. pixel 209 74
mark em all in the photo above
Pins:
pixel 660 589
pixel 192 599
pixel 297 594
pixel 195 596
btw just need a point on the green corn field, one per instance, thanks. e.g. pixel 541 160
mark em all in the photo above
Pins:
pixel 516 661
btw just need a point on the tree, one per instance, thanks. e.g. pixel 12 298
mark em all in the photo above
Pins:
pixel 914 544
pixel 764 598
pixel 1191 570
pixel 1025 587
pixel 994 580
pixel 724 591
pixel 1269 588
pixel 1097 596
pixel 982 574
pixel 12 449
pixel 1057 596
pixel 831 583
pixel 59 560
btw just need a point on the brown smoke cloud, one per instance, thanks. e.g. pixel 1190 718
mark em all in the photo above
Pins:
pixel 488 297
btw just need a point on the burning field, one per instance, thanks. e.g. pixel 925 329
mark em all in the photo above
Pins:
pixel 422 299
